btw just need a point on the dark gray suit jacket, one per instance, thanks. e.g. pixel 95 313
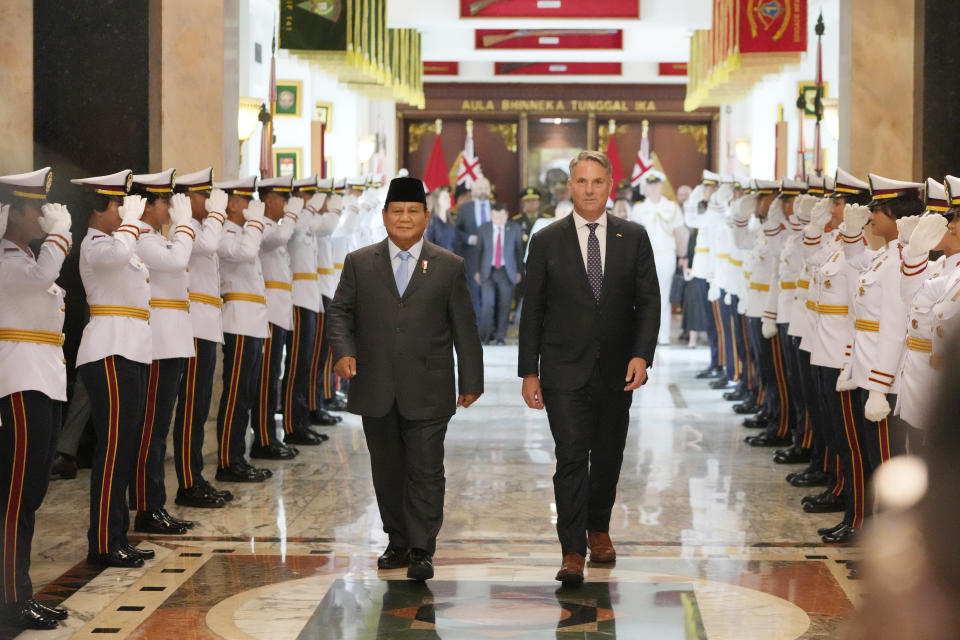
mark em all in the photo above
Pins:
pixel 512 250
pixel 404 346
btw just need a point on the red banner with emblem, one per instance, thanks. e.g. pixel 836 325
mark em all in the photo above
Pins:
pixel 558 69
pixel 548 39
pixel 772 26
pixel 549 9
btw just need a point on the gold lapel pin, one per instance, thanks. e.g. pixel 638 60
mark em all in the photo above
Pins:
pixel 619 235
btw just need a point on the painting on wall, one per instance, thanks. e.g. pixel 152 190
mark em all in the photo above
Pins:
pixel 287 162
pixel 289 98
pixel 324 113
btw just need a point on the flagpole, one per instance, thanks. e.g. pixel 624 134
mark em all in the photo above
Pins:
pixel 818 104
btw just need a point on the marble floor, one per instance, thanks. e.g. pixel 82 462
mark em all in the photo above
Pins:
pixel 711 540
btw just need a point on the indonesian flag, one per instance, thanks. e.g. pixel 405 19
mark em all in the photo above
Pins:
pixel 644 162
pixel 470 170
pixel 436 173
pixel 616 170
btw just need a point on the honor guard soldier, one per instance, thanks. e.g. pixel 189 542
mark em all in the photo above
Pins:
pixel 697 216
pixel 245 327
pixel 530 204
pixel 33 379
pixel 172 344
pixel 196 386
pixel 729 274
pixel 114 360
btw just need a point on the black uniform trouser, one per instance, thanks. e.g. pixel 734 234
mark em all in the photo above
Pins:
pixel 702 288
pixel 321 365
pixel 242 356
pixel 770 373
pixel 748 369
pixel 496 294
pixel 147 490
pixel 813 432
pixel 117 389
pixel 266 402
pixel 733 363
pixel 193 407
pixel 589 427
pixel 406 461
pixel 884 439
pixel 793 403
pixel 28 438
pixel 296 371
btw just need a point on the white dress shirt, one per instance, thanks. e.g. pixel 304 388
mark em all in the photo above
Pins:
pixel 395 260
pixel 583 233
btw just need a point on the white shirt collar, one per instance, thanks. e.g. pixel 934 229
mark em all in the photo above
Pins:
pixel 582 222
pixel 414 250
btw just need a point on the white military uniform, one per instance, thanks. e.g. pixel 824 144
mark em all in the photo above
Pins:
pixel 277 275
pixel 204 278
pixel 170 321
pixel 661 219
pixel 241 280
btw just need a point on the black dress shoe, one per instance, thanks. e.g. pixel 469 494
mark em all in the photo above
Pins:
pixel 822 531
pixel 810 479
pixel 196 497
pixel 393 558
pixel 324 418
pixel 64 467
pixel 709 373
pixel 755 422
pixel 736 395
pixel 189 524
pixel 827 504
pixel 843 535
pixel 260 471
pixel 793 455
pixel 421 565
pixel 146 554
pixel 766 440
pixel 118 558
pixel 51 612
pixel 335 403
pixel 815 497
pixel 745 407
pixel 22 615
pixel 154 522
pixel 272 452
pixel 237 473
pixel 720 383
pixel 323 437
pixel 302 438
pixel 211 490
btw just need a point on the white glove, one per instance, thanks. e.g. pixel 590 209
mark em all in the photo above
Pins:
pixel 4 212
pixel 906 226
pixel 775 216
pixel 315 203
pixel 335 203
pixel 697 195
pixel 350 201
pixel 746 207
pixel 217 202
pixel 803 208
pixel 855 218
pixel 713 294
pixel 721 197
pixel 254 210
pixel 316 221
pixel 845 380
pixel 180 209
pixel 293 206
pixel 55 219
pixel 132 209
pixel 769 328
pixel 728 299
pixel 928 234
pixel 742 305
pixel 877 407
pixel 819 217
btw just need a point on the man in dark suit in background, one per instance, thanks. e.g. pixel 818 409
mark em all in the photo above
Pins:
pixel 400 310
pixel 500 246
pixel 470 216
pixel 587 335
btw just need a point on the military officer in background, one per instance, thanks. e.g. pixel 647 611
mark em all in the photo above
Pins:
pixel 245 327
pixel 114 360
pixel 33 379
pixel 531 210
pixel 697 216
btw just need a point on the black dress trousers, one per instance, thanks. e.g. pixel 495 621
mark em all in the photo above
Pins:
pixel 296 373
pixel 147 490
pixel 193 407
pixel 267 399
pixel 589 427
pixel 242 356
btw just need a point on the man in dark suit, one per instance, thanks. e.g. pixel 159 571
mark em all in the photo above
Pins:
pixel 498 271
pixel 400 310
pixel 587 335
pixel 470 216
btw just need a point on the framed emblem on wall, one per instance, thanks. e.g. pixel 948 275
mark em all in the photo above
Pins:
pixel 289 98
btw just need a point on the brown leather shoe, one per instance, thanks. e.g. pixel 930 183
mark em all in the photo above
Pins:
pixel 571 571
pixel 601 547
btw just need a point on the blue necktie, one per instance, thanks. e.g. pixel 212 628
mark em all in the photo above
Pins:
pixel 594 263
pixel 401 274
pixel 483 212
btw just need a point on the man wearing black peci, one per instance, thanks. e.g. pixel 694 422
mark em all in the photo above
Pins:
pixel 587 335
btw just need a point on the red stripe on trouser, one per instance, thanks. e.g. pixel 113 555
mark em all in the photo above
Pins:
pixel 14 499
pixel 146 433
pixel 265 413
pixel 781 387
pixel 737 367
pixel 743 322
pixel 292 377
pixel 315 364
pixel 328 376
pixel 187 442
pixel 721 343
pixel 841 478
pixel 106 483
pixel 859 489
pixel 807 433
pixel 231 402
pixel 883 429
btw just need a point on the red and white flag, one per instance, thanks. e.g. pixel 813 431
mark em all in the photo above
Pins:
pixel 469 171
pixel 644 163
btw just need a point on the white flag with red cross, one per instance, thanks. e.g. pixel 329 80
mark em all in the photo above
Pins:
pixel 469 170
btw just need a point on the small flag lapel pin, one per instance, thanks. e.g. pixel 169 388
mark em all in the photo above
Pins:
pixel 619 235
pixel 423 266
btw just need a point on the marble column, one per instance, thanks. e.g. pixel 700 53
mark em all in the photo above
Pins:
pixel 16 78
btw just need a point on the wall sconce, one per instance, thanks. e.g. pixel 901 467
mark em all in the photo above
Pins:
pixel 365 148
pixel 741 150
pixel 247 121
pixel 831 117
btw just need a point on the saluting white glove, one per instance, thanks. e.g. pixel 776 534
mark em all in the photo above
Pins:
pixel 746 207
pixel 180 209
pixel 696 196
pixel 293 206
pixel 905 227
pixel 769 328
pixel 254 211
pixel 4 212
pixel 335 203
pixel 132 209
pixel 855 218
pixel 775 216
pixel 928 234
pixel 316 222
pixel 315 203
pixel 819 217
pixel 742 305
pixel 713 293
pixel 55 219
pixel 845 380
pixel 877 407
pixel 350 201
pixel 804 208
pixel 721 197
pixel 217 202
pixel 728 299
